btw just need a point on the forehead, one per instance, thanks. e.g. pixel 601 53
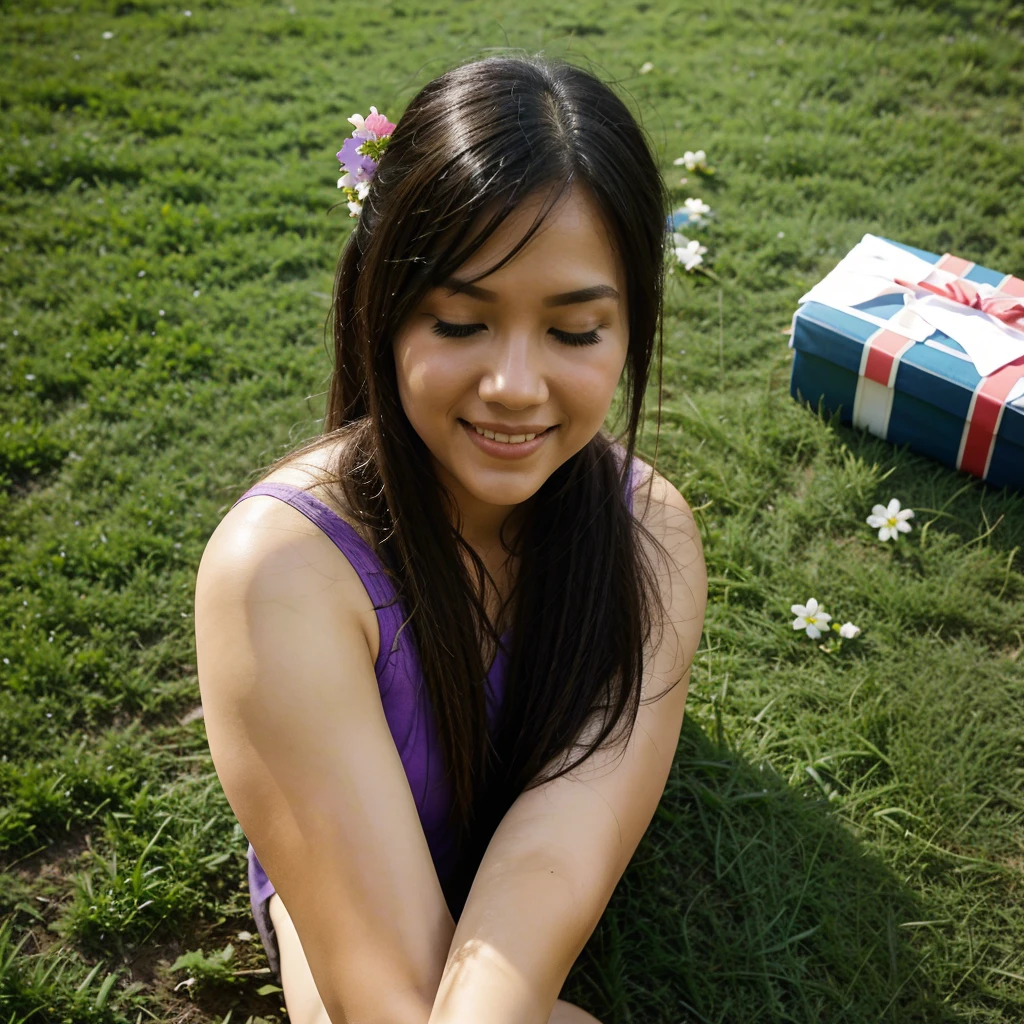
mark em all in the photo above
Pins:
pixel 572 243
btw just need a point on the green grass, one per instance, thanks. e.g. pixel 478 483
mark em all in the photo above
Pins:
pixel 842 837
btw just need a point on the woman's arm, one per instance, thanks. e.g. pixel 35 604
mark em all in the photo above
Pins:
pixel 555 859
pixel 307 761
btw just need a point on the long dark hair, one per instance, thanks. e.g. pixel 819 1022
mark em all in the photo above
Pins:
pixel 471 146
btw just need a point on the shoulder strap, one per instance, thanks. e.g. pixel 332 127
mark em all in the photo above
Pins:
pixel 362 557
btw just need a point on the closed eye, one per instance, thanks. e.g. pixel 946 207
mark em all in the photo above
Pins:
pixel 586 338
pixel 447 330
pixel 444 329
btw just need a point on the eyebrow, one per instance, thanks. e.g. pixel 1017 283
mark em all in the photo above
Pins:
pixel 597 291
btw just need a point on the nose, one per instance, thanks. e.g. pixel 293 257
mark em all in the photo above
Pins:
pixel 515 376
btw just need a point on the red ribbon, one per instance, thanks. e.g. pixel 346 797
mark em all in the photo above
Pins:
pixel 1000 305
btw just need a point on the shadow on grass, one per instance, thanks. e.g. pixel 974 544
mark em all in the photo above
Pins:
pixel 957 502
pixel 748 902
pixel 945 499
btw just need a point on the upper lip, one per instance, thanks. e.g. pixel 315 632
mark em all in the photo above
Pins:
pixel 505 428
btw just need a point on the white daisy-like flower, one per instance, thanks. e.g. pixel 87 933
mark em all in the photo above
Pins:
pixel 696 207
pixel 848 630
pixel 646 67
pixel 692 160
pixel 810 617
pixel 688 251
pixel 890 521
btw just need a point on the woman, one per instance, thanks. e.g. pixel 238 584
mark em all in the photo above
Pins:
pixel 443 659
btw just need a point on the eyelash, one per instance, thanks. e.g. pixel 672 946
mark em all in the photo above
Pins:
pixel 446 330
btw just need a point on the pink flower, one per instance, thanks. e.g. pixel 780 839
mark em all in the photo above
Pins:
pixel 378 124
pixel 373 126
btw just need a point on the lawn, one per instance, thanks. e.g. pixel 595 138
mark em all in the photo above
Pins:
pixel 842 836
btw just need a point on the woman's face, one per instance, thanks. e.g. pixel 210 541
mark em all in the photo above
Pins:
pixel 534 350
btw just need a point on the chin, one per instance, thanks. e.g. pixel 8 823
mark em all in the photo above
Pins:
pixel 504 493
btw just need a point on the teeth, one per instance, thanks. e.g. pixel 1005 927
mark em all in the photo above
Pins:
pixel 504 438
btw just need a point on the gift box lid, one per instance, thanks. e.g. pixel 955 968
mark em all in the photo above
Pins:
pixel 937 370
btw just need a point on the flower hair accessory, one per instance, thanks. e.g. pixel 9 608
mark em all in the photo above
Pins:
pixel 360 154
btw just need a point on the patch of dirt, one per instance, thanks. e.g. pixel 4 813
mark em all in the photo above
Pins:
pixel 52 863
pixel 151 965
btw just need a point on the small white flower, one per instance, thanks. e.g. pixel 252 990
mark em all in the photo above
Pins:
pixel 646 67
pixel 108 35
pixel 849 630
pixel 688 251
pixel 30 376
pixel 810 617
pixel 362 190
pixel 694 160
pixel 890 522
pixel 142 273
pixel 195 294
pixel 355 208
pixel 696 208
pixel 780 234
pixel 188 14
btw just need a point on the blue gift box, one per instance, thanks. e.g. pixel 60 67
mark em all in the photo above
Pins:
pixel 924 392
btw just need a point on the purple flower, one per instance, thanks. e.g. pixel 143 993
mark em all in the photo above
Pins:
pixel 360 166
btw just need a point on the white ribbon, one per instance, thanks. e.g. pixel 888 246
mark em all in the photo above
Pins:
pixel 869 270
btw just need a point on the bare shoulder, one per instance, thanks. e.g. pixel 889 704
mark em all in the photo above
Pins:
pixel 314 472
pixel 661 508
pixel 268 547
pixel 262 522
pixel 677 557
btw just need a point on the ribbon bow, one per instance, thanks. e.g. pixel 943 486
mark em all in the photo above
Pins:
pixel 1003 307
pixel 986 322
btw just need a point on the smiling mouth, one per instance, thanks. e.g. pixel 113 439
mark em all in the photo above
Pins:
pixel 493 435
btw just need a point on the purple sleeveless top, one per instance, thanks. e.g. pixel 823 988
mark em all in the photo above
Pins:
pixel 403 690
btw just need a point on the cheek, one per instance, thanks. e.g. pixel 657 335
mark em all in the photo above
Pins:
pixel 426 377
pixel 590 384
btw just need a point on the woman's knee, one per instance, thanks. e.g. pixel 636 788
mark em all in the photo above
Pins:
pixel 570 1013
pixel 300 992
